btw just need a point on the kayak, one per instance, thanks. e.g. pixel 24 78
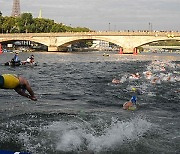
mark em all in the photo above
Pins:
pixel 12 63
pixel 20 64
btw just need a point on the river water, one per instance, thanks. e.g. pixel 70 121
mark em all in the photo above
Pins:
pixel 79 109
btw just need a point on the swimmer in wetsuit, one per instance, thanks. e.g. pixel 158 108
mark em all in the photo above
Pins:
pixel 19 84
pixel 130 105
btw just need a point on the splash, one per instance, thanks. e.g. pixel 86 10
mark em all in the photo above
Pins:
pixel 73 136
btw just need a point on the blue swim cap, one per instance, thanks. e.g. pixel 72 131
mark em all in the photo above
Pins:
pixel 133 99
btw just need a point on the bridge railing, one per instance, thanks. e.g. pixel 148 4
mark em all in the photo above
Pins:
pixel 99 33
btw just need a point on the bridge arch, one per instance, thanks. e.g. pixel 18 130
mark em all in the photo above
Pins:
pixel 148 41
pixel 128 43
pixel 74 39
pixel 34 41
pixel 23 39
pixel 148 45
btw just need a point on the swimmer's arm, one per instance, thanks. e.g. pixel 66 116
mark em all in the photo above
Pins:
pixel 20 92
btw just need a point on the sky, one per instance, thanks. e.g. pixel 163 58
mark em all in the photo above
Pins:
pixel 104 15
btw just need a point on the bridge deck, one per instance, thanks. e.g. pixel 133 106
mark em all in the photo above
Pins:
pixel 143 33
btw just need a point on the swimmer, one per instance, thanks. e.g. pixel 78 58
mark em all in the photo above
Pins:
pixel 155 80
pixel 177 91
pixel 18 83
pixel 170 77
pixel 134 76
pixel 137 90
pixel 133 89
pixel 130 105
pixel 116 81
pixel 148 74
pixel 162 69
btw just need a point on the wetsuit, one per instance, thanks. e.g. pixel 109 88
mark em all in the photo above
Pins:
pixel 9 81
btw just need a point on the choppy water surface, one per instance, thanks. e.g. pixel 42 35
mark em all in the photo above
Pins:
pixel 79 109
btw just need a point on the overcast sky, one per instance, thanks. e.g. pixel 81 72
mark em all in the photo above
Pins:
pixel 101 15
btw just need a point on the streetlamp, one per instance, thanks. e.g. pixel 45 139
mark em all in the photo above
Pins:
pixel 109 26
pixel 150 26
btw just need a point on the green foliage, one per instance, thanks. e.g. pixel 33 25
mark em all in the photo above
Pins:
pixel 8 25
pixel 1 21
pixel 140 49
pixel 27 24
pixel 80 29
pixel 166 43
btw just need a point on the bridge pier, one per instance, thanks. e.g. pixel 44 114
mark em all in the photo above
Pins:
pixel 1 49
pixel 135 52
pixel 120 50
pixel 52 48
pixel 128 50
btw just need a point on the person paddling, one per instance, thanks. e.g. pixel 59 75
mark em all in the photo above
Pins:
pixel 18 83
pixel 30 59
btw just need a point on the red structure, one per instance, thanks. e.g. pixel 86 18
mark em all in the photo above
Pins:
pixel 135 51
pixel 16 8
pixel 1 49
pixel 120 50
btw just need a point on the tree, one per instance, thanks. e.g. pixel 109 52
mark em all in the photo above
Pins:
pixel 26 23
pixel 9 24
pixel 1 22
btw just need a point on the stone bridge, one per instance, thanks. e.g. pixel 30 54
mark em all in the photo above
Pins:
pixel 128 41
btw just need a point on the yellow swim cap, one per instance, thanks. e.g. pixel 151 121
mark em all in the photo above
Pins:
pixel 133 89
